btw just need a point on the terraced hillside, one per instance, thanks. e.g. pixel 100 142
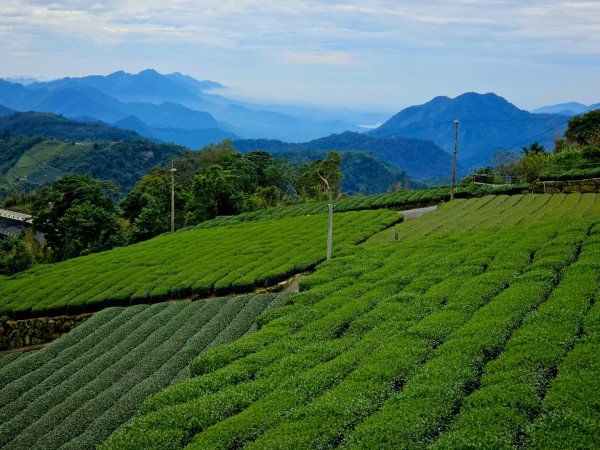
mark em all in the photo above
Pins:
pixel 496 210
pixel 395 200
pixel 79 389
pixel 484 336
pixel 196 262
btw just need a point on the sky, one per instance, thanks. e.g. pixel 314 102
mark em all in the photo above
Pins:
pixel 375 55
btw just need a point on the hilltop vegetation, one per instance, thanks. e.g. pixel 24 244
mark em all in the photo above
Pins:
pixel 420 159
pixel 31 162
pixel 52 125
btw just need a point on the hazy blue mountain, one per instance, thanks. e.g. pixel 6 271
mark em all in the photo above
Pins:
pixel 195 139
pixel 150 87
pixel 146 86
pixel 4 111
pixel 51 125
pixel 25 81
pixel 567 109
pixel 167 121
pixel 420 159
pixel 18 97
pixel 488 123
pixel 76 100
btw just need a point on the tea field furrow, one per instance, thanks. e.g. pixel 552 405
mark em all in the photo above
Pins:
pixel 152 270
pixel 497 413
pixel 426 403
pixel 87 394
pixel 569 413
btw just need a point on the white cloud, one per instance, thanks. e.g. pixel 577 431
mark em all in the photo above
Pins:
pixel 325 59
pixel 267 38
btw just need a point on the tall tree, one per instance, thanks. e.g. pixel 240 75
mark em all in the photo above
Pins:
pixel 77 215
pixel 320 179
pixel 584 129
pixel 14 256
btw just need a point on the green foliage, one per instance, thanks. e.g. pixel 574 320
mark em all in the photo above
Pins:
pixel 320 179
pixel 76 391
pixel 51 125
pixel 195 262
pixel 32 162
pixel 77 216
pixel 148 207
pixel 573 163
pixel 362 173
pixel 449 337
pixel 14 256
pixel 534 149
pixel 584 129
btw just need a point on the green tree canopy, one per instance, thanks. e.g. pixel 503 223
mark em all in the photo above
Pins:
pixel 320 179
pixel 64 212
pixel 584 129
pixel 14 256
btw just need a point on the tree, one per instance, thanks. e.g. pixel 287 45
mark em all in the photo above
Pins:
pixel 14 256
pixel 90 226
pixel 504 163
pixel 534 149
pixel 585 129
pixel 213 193
pixel 320 179
pixel 148 207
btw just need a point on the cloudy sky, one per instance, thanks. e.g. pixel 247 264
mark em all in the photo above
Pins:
pixel 371 54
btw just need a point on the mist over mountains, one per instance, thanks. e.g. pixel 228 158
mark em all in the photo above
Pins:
pixel 181 109
pixel 167 106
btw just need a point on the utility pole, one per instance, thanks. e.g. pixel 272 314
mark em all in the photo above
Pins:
pixel 173 170
pixel 454 159
pixel 330 232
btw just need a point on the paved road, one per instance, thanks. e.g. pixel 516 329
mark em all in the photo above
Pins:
pixel 417 212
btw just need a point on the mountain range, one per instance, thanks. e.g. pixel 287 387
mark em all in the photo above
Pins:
pixel 36 148
pixel 180 109
pixel 173 107
pixel 487 123
pixel 421 159
pixel 566 109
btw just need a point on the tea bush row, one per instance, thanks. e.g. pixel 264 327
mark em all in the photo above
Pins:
pixel 197 262
pixel 79 389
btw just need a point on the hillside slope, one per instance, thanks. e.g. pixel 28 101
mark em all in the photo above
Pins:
pixel 76 391
pixel 450 339
pixel 31 162
pixel 488 123
pixel 52 125
pixel 193 262
pixel 420 159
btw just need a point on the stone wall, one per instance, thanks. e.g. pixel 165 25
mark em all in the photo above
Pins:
pixel 39 330
pixel 556 187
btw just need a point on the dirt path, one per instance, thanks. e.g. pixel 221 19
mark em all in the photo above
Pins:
pixel 417 212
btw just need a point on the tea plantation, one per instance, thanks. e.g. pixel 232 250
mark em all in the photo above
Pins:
pixel 78 390
pixel 481 338
pixel 479 327
pixel 195 262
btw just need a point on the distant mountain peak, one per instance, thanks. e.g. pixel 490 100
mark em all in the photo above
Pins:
pixel 488 123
